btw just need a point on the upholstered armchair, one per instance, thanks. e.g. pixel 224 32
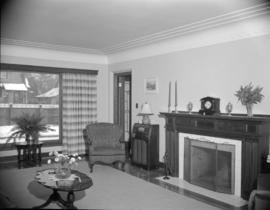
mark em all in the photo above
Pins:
pixel 103 144
pixel 260 198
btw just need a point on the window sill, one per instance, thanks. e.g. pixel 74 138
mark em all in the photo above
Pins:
pixel 11 146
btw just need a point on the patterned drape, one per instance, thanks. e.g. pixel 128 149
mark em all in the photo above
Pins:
pixel 79 107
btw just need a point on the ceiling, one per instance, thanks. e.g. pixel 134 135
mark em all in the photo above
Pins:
pixel 102 24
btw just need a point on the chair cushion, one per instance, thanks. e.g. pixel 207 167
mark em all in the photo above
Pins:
pixel 107 151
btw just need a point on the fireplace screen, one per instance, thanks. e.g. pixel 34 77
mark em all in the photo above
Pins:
pixel 209 165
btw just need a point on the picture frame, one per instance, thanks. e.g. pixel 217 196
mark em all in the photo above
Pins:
pixel 151 85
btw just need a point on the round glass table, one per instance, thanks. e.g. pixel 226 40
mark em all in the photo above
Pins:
pixel 78 181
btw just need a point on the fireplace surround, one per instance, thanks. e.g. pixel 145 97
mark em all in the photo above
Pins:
pixel 252 132
pixel 210 162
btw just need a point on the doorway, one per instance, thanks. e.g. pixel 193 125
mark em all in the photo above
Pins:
pixel 122 106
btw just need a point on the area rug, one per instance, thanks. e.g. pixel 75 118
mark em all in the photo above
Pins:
pixel 112 189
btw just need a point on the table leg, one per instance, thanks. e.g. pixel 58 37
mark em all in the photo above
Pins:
pixel 39 155
pixel 56 197
pixel 70 200
pixel 19 157
pixel 53 197
pixel 34 155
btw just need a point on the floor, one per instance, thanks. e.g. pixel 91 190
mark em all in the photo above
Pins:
pixel 147 175
pixel 151 176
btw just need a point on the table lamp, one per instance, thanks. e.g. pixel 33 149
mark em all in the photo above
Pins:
pixel 145 112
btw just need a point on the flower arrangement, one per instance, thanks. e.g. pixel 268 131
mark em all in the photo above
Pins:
pixel 63 163
pixel 248 95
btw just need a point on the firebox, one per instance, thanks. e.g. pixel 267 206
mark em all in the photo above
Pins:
pixel 210 165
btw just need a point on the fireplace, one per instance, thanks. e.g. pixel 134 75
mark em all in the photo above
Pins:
pixel 209 165
pixel 250 135
pixel 210 162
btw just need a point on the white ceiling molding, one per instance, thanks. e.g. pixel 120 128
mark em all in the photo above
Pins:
pixel 206 24
pixel 50 46
pixel 49 54
pixel 258 26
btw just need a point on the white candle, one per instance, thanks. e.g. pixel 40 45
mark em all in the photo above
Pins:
pixel 175 93
pixel 169 104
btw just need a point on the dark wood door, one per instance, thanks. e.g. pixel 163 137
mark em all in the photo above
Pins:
pixel 122 105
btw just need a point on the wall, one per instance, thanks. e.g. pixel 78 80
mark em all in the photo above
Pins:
pixel 52 58
pixel 217 70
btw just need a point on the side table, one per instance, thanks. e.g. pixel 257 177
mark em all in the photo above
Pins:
pixel 28 153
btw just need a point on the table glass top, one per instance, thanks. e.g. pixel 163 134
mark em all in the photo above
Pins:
pixel 76 182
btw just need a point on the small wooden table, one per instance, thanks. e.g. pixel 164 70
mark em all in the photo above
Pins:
pixel 77 182
pixel 29 153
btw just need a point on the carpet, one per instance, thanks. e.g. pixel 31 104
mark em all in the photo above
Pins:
pixel 112 189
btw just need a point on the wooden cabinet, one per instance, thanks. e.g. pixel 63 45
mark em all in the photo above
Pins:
pixel 253 132
pixel 145 145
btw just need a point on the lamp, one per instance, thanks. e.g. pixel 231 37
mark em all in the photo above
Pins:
pixel 145 112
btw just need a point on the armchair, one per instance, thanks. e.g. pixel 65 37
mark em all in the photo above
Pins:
pixel 260 198
pixel 103 144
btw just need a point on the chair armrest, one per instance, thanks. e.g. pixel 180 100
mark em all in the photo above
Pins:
pixel 254 193
pixel 86 137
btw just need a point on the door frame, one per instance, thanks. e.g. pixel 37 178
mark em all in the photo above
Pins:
pixel 116 98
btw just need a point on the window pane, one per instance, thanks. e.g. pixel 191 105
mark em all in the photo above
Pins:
pixel 24 92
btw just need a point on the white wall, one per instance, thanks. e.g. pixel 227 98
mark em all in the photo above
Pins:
pixel 216 70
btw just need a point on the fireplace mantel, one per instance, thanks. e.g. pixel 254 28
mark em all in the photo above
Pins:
pixel 254 132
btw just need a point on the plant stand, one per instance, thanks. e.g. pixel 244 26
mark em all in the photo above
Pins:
pixel 28 153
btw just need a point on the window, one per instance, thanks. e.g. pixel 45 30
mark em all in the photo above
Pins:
pixel 3 75
pixel 29 92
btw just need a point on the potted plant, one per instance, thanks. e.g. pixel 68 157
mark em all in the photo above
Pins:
pixel 28 126
pixel 248 96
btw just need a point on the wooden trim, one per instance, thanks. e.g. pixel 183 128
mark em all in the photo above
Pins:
pixel 60 109
pixel 253 132
pixel 47 69
pixel 223 116
pixel 115 99
pixel 116 95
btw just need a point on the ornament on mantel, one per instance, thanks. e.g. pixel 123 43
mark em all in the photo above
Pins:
pixel 190 107
pixel 229 108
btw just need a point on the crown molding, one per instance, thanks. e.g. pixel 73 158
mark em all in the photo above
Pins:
pixel 251 28
pixel 198 26
pixel 22 43
pixel 12 51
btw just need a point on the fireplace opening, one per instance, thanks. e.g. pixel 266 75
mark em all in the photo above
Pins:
pixel 209 165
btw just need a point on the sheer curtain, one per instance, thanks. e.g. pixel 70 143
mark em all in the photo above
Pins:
pixel 79 107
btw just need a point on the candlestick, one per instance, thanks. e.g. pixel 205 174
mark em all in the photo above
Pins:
pixel 176 96
pixel 169 103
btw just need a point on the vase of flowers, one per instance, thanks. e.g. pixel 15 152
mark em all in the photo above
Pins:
pixel 63 163
pixel 248 95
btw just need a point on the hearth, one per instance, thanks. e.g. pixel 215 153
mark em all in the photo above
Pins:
pixel 209 165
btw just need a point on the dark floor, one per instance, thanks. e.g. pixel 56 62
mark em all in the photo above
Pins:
pixel 147 175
